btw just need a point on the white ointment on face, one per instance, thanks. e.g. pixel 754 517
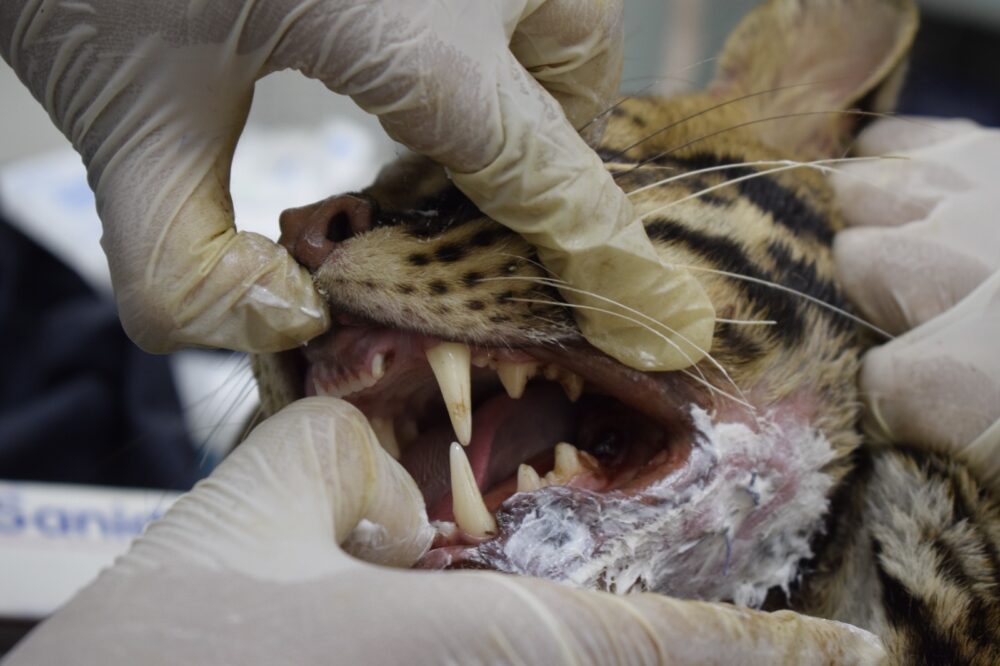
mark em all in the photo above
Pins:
pixel 732 523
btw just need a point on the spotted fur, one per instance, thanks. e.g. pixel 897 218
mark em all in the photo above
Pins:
pixel 912 547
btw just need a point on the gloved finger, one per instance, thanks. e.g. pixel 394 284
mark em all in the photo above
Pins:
pixel 889 192
pixel 443 82
pixel 193 615
pixel 917 176
pixel 901 277
pixel 692 632
pixel 183 275
pixel 306 481
pixel 153 97
pixel 574 49
pixel 542 622
pixel 938 386
pixel 441 76
pixel 903 133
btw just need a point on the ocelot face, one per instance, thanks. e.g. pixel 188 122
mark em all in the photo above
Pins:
pixel 702 483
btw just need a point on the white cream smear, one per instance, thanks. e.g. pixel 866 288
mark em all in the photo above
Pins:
pixel 732 523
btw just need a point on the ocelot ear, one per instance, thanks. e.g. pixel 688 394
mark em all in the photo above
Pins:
pixel 817 58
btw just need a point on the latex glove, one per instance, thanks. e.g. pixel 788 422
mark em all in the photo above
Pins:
pixel 247 569
pixel 154 96
pixel 925 255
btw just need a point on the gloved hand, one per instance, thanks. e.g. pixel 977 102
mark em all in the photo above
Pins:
pixel 154 96
pixel 253 567
pixel 924 254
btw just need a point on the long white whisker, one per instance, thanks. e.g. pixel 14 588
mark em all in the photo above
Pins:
pixel 733 181
pixel 745 278
pixel 560 285
pixel 537 264
pixel 720 105
pixel 787 163
pixel 693 364
pixel 781 287
pixel 615 106
pixel 633 311
pixel 784 116
pixel 747 322
pixel 700 380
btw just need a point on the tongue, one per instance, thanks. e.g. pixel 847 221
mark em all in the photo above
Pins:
pixel 505 433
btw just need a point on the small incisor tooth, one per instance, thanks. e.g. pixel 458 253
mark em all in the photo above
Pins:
pixel 528 479
pixel 450 362
pixel 573 385
pixel 514 376
pixel 567 462
pixel 378 366
pixel 386 434
pixel 470 511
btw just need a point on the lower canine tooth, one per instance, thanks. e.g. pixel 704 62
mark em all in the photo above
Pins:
pixel 450 362
pixel 470 511
pixel 528 479
pixel 515 376
pixel 386 435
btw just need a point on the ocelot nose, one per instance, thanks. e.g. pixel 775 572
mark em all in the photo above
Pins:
pixel 312 232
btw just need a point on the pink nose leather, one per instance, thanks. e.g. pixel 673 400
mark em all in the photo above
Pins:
pixel 312 232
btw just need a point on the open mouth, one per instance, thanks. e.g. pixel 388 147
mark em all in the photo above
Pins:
pixel 481 429
pixel 578 469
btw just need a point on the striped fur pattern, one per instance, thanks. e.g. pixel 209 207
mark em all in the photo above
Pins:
pixel 912 547
pixel 912 553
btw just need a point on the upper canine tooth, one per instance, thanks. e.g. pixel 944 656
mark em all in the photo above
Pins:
pixel 567 461
pixel 386 434
pixel 450 362
pixel 470 511
pixel 528 479
pixel 514 376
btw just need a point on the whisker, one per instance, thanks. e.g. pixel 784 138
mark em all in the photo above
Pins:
pixel 747 322
pixel 700 380
pixel 655 322
pixel 244 391
pixel 537 264
pixel 720 105
pixel 708 356
pixel 784 116
pixel 735 165
pixel 563 285
pixel 736 276
pixel 657 78
pixel 614 106
pixel 670 76
pixel 818 164
pixel 559 326
pixel 254 419
pixel 933 399
pixel 646 88
pixel 796 292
